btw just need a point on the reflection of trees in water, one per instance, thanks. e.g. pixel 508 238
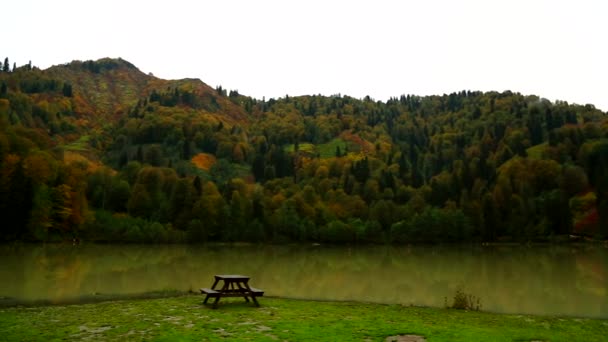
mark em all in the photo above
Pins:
pixel 538 279
pixel 593 277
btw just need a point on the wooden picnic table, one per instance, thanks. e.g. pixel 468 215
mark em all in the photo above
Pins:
pixel 234 285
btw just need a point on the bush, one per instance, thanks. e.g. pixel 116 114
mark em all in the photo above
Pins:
pixel 109 227
pixel 464 301
pixel 433 225
pixel 337 231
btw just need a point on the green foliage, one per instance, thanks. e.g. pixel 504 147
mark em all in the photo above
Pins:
pixel 338 231
pixel 108 227
pixel 433 225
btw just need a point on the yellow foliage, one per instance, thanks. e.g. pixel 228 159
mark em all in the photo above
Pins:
pixel 4 106
pixel 385 147
pixel 39 167
pixel 322 172
pixel 276 201
pixel 204 161
pixel 581 204
pixel 355 156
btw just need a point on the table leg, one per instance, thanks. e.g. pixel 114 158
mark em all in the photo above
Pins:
pixel 217 300
pixel 255 301
pixel 243 288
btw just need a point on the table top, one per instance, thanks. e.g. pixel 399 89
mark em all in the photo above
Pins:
pixel 231 277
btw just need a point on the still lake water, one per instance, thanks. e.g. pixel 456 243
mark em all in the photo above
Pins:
pixel 554 280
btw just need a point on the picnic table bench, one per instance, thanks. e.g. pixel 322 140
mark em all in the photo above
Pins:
pixel 233 286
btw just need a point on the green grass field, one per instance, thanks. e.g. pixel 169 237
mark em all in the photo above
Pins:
pixel 305 147
pixel 82 144
pixel 327 150
pixel 184 318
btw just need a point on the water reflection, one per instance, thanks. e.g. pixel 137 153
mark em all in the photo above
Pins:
pixel 563 280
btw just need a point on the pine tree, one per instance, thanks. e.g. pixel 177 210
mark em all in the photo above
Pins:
pixel 67 90
pixel 6 65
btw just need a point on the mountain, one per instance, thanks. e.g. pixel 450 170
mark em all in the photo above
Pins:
pixel 103 89
pixel 106 89
pixel 99 150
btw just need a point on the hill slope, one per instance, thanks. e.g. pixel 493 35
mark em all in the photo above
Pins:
pixel 102 151
pixel 108 88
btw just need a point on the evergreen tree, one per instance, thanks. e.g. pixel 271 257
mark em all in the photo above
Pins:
pixel 67 90
pixel 198 185
pixel 6 65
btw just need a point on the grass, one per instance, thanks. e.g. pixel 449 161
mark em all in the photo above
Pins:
pixel 328 150
pixel 303 147
pixel 82 144
pixel 184 318
pixel 536 151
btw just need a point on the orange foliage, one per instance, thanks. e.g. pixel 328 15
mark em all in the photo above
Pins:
pixel 204 161
pixel 338 209
pixel 366 146
pixel 70 157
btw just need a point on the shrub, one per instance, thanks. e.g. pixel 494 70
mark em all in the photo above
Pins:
pixel 337 231
pixel 464 301
pixel 433 225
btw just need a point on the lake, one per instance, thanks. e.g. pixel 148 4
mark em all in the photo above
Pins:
pixel 554 280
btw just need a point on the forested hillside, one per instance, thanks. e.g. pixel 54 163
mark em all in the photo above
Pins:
pixel 100 151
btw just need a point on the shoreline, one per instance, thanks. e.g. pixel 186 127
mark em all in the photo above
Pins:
pixel 7 303
pixel 565 241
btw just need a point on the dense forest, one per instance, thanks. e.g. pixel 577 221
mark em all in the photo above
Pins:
pixel 99 151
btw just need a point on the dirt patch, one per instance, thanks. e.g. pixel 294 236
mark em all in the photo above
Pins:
pixel 405 338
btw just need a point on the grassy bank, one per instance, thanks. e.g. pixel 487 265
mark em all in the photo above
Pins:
pixel 185 319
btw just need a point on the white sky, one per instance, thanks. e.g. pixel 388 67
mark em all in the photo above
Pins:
pixel 555 49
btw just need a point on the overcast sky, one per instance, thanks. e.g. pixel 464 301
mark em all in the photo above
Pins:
pixel 554 49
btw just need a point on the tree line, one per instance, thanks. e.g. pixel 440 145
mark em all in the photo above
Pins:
pixel 466 166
